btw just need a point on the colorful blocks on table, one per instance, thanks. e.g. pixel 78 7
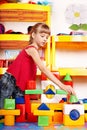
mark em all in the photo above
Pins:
pixel 36 91
pixel 9 116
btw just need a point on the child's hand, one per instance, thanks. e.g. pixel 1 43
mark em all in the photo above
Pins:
pixel 69 89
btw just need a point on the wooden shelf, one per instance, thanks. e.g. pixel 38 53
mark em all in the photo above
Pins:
pixel 24 12
pixel 13 41
pixel 71 42
pixel 72 71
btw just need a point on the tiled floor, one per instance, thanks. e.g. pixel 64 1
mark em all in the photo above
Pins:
pixel 33 126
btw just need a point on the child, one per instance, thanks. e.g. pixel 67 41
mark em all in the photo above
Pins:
pixel 23 68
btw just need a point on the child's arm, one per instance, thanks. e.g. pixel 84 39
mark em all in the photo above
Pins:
pixel 35 55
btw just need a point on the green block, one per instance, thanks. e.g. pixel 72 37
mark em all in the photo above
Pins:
pixel 61 92
pixel 43 121
pixel 9 104
pixel 67 77
pixel 34 91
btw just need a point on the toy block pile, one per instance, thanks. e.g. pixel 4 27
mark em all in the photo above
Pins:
pixel 48 105
pixel 9 112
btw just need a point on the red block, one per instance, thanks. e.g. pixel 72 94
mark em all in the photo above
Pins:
pixel 21 118
pixel 31 84
pixel 43 76
pixel 68 83
pixel 31 118
pixel 27 104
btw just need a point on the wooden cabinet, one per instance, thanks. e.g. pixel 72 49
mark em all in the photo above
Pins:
pixel 19 12
pixel 68 43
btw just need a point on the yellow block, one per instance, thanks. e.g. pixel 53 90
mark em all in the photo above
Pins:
pixel 85 106
pixel 44 112
pixel 67 121
pixel 34 106
pixel 9 112
pixel 9 120
pixel 3 70
pixel 85 116
pixel 56 106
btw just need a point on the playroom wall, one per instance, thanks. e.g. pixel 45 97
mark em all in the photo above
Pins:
pixel 64 58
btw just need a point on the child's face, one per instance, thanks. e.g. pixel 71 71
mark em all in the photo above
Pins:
pixel 41 38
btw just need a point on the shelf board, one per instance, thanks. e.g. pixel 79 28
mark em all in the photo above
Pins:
pixel 13 41
pixel 23 12
pixel 71 42
pixel 72 71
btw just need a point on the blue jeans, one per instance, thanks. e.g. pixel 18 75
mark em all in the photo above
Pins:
pixel 8 88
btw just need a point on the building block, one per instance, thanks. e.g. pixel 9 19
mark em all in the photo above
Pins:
pixel 85 107
pixel 36 91
pixel 73 99
pixel 31 84
pixel 30 117
pixel 34 106
pixel 60 91
pixel 43 76
pixel 9 116
pixel 46 83
pixel 67 77
pixel 43 106
pixel 9 104
pixel 85 117
pixel 54 99
pixel 58 117
pixel 73 114
pixel 49 91
pixel 27 104
pixel 21 117
pixel 43 121
pixel 9 112
pixel 19 100
pixel 68 122
pixel 44 112
pixel 9 120
pixel 56 106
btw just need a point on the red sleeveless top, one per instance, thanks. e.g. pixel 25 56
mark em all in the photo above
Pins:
pixel 23 69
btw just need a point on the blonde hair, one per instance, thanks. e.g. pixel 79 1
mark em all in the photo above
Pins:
pixel 44 28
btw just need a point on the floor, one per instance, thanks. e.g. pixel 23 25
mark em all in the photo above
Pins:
pixel 33 126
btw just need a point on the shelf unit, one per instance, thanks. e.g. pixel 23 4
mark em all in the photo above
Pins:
pixel 19 12
pixel 64 42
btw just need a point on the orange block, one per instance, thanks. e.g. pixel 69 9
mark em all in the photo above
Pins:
pixel 9 120
pixel 58 117
pixel 9 112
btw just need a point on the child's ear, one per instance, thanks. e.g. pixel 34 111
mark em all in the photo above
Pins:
pixel 33 35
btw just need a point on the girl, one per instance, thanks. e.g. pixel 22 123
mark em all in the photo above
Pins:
pixel 23 68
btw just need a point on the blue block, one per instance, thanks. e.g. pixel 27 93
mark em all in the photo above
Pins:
pixel 43 106
pixel 20 100
pixel 49 91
